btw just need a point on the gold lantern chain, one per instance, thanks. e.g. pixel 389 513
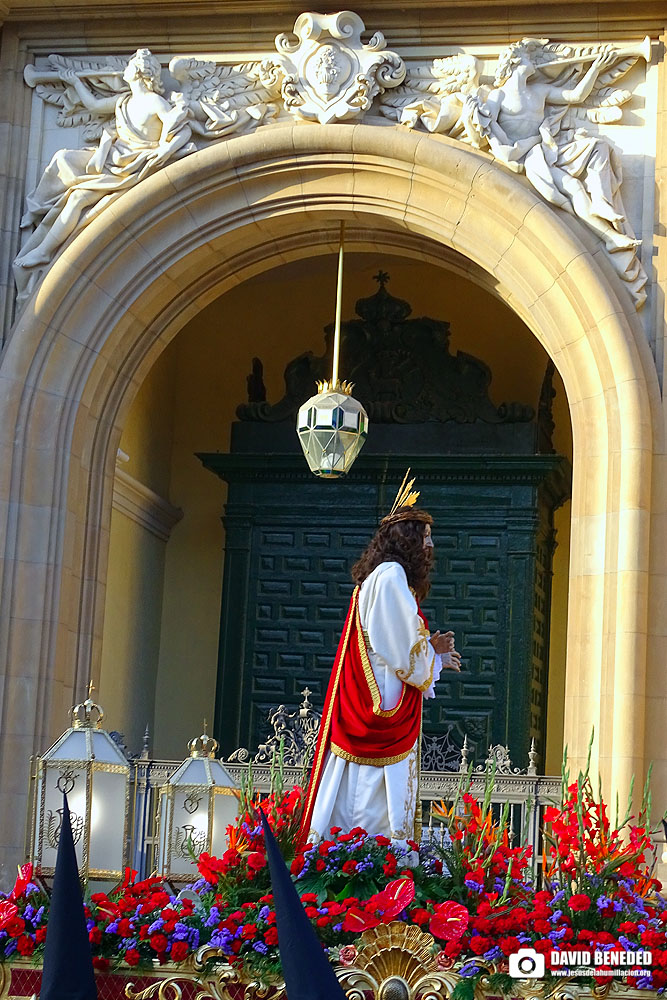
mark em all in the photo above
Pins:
pixel 339 301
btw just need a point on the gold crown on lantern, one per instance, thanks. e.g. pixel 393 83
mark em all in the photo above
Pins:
pixel 328 386
pixel 88 714
pixel 203 746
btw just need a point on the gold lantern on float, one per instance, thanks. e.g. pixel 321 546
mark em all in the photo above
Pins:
pixel 93 772
pixel 332 425
pixel 196 806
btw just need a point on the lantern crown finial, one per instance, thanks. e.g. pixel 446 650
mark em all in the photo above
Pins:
pixel 204 745
pixel 87 714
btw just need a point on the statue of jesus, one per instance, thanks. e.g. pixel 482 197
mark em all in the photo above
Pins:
pixel 366 766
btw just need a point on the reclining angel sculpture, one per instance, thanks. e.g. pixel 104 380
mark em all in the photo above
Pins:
pixel 142 130
pixel 532 120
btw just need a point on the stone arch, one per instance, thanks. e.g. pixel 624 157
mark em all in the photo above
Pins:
pixel 118 293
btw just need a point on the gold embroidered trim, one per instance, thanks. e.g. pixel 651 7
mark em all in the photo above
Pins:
pixel 373 761
pixel 370 677
pixel 419 648
pixel 323 748
pixel 427 683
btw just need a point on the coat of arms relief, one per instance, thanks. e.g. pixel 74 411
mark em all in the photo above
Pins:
pixel 539 116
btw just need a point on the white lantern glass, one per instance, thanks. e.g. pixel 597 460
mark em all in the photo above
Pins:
pixel 196 806
pixel 332 428
pixel 92 771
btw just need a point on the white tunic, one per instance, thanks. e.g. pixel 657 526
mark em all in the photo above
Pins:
pixel 382 800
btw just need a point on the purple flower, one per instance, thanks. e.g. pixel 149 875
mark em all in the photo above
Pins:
pixel 260 947
pixel 474 886
pixel 264 913
pixel 29 912
pixel 469 970
pixel 213 917
pixel 112 927
pixel 493 953
pixel 10 947
pixel 39 915
pixel 156 926
pixel 182 931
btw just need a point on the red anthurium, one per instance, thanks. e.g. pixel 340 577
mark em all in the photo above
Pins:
pixel 449 921
pixel 8 911
pixel 395 898
pixel 22 880
pixel 357 921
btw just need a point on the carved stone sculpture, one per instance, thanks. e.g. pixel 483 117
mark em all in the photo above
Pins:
pixel 149 131
pixel 329 74
pixel 531 119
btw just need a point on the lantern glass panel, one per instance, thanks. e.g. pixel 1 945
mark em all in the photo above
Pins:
pixel 56 780
pixel 189 826
pixel 107 820
pixel 225 811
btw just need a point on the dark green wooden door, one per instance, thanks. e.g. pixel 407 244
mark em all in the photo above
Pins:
pixel 290 543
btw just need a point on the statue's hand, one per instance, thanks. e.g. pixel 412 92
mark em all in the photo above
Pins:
pixel 452 661
pixel 605 58
pixel 442 642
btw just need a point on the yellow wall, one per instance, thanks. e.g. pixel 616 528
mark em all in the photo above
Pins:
pixel 189 404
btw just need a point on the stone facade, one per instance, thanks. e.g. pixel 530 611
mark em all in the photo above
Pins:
pixel 407 173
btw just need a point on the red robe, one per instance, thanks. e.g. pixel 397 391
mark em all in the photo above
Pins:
pixel 354 726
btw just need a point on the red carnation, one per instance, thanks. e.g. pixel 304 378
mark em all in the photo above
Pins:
pixel 271 935
pixel 510 945
pixel 256 861
pixel 320 864
pixel 158 942
pixel 124 928
pixel 179 951
pixel 297 865
pixel 132 956
pixel 95 935
pixel 15 927
pixel 579 902
pixel 349 867
pixel 480 944
pixel 383 841
pixel 40 935
pixel 102 964
pixel 25 945
pixel 249 931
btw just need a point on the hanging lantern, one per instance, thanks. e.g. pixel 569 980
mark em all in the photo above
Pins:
pixel 91 769
pixel 196 806
pixel 332 425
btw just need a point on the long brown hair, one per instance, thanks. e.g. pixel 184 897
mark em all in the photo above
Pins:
pixel 400 541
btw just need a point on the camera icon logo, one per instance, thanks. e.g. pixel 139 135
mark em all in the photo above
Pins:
pixel 526 964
